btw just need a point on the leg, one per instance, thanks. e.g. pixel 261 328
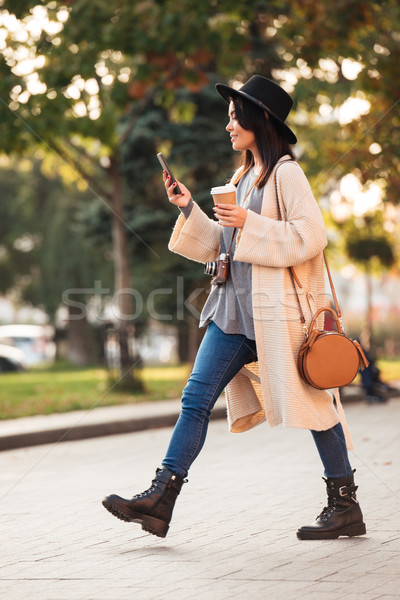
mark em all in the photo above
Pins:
pixel 332 449
pixel 219 359
pixel 342 515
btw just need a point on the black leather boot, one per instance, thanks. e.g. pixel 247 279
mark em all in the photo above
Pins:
pixel 342 515
pixel 153 508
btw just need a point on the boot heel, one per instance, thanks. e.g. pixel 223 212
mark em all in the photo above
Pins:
pixel 154 526
pixel 356 529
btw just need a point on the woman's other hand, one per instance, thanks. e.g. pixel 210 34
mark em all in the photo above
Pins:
pixel 177 199
pixel 230 215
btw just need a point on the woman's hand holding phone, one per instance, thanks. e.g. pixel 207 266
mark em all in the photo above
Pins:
pixel 177 199
pixel 177 193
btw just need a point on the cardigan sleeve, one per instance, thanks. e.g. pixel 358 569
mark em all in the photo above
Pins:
pixel 186 210
pixel 299 237
pixel 198 237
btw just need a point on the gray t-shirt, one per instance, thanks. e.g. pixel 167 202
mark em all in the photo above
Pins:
pixel 229 305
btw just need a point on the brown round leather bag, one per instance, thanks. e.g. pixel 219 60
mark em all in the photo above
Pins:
pixel 329 359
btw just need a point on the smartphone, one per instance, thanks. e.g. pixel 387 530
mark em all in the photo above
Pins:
pixel 165 166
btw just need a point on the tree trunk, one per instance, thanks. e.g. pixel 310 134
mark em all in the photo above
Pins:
pixel 79 338
pixel 195 337
pixel 122 273
pixel 183 342
pixel 189 339
pixel 122 304
pixel 366 337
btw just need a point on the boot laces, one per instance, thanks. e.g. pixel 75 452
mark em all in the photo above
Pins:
pixel 349 492
pixel 328 510
pixel 152 488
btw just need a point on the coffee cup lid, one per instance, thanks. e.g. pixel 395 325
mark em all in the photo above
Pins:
pixel 223 189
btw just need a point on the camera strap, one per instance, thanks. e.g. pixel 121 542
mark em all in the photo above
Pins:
pixel 230 245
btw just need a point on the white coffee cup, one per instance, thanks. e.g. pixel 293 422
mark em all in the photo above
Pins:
pixel 224 194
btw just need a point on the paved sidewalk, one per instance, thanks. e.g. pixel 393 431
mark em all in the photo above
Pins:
pixel 78 425
pixel 233 531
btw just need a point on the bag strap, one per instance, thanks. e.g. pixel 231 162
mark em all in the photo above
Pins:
pixel 335 300
pixel 293 275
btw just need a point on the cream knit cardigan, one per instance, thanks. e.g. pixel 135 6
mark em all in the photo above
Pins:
pixel 271 389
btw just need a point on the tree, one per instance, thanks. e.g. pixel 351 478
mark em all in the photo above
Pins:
pixel 89 64
pixel 201 155
pixel 91 70
pixel 353 91
pixel 45 252
pixel 371 247
pixel 342 73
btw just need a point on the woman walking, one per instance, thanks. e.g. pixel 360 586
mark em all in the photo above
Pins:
pixel 253 329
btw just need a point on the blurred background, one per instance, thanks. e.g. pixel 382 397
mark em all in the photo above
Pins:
pixel 93 308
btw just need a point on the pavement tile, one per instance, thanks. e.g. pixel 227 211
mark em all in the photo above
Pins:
pixel 233 531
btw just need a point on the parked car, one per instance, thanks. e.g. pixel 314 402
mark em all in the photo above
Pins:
pixel 35 342
pixel 11 359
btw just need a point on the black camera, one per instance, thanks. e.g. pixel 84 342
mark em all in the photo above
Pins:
pixel 218 269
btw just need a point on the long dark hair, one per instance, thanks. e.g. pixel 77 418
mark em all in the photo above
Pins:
pixel 271 143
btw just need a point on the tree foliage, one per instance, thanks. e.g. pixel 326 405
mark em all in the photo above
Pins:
pixel 368 244
pixel 104 85
pixel 44 249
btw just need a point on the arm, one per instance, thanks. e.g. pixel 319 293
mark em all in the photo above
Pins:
pixel 197 237
pixel 298 238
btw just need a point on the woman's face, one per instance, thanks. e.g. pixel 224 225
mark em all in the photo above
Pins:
pixel 242 139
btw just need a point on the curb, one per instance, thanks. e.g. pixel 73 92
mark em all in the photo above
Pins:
pixel 69 427
pixel 113 420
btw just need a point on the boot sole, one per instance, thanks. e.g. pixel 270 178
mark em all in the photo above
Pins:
pixel 350 531
pixel 150 524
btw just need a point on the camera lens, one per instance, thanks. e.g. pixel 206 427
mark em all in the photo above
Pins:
pixel 210 268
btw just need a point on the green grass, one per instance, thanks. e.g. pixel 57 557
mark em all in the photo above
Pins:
pixel 390 369
pixel 62 388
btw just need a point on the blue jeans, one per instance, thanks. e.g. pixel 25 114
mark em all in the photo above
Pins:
pixel 332 449
pixel 219 358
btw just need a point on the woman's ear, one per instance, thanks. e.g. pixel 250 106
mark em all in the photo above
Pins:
pixel 266 114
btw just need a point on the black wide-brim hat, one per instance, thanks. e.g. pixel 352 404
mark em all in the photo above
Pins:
pixel 269 96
